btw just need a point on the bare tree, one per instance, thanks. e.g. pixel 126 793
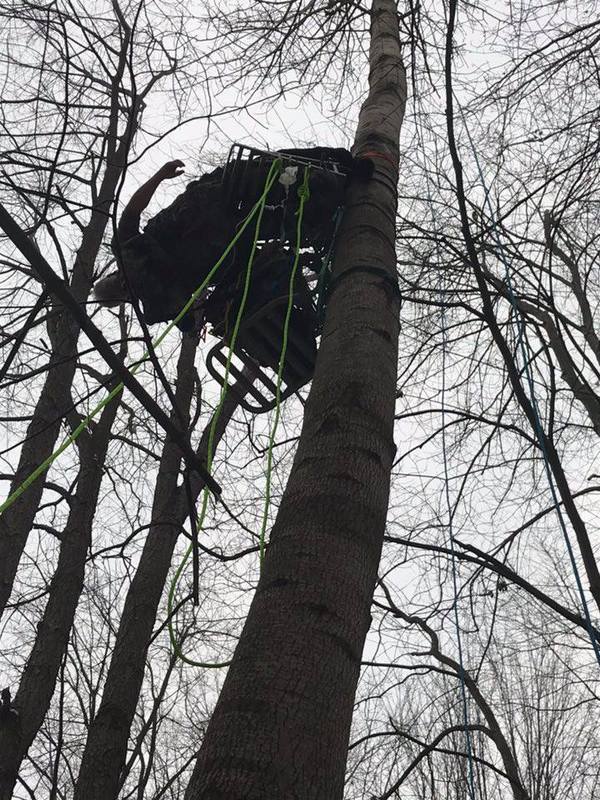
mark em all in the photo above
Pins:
pixel 496 417
pixel 285 708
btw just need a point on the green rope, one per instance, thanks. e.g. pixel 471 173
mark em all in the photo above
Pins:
pixel 303 194
pixel 47 463
pixel 275 166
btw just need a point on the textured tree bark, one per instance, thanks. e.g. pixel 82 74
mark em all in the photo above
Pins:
pixel 38 680
pixel 281 725
pixel 106 746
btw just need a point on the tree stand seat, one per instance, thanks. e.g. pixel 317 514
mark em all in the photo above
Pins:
pixel 245 172
pixel 258 346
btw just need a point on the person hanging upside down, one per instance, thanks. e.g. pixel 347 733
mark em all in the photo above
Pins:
pixel 163 265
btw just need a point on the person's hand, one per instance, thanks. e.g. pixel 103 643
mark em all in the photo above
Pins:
pixel 172 169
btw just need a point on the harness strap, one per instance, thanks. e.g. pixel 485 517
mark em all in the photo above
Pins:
pixel 377 154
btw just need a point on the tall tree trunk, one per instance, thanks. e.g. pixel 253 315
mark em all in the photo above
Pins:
pixel 63 330
pixel 55 397
pixel 38 680
pixel 281 725
pixel 106 746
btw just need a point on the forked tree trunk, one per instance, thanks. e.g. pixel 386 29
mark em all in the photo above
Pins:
pixel 281 725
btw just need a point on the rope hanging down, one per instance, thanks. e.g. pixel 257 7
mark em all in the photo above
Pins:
pixel 303 194
pixel 274 170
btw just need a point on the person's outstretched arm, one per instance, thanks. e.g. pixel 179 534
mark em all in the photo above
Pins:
pixel 129 224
